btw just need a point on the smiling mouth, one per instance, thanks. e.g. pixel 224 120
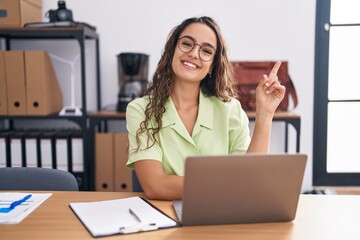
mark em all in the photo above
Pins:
pixel 189 64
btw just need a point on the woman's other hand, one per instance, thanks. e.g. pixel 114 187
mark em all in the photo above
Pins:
pixel 269 92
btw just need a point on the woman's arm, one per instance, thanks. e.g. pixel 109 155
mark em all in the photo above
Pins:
pixel 156 183
pixel 269 94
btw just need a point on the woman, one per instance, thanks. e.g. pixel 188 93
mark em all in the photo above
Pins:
pixel 190 109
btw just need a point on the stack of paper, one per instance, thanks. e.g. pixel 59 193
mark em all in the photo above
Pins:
pixel 121 216
pixel 14 207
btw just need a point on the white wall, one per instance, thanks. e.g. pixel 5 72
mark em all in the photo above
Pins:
pixel 254 30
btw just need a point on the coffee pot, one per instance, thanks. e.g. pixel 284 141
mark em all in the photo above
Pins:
pixel 133 77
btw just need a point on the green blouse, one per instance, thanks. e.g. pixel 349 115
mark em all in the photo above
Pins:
pixel 220 128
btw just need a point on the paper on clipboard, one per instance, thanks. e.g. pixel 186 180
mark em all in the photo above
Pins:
pixel 112 217
pixel 21 211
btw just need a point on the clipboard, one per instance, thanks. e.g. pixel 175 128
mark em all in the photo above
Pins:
pixel 121 216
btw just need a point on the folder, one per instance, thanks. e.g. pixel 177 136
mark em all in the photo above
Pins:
pixel 104 162
pixel 15 82
pixel 32 148
pixel 43 92
pixel 3 88
pixel 123 175
pixel 121 216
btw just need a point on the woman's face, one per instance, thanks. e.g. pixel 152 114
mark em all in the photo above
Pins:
pixel 187 64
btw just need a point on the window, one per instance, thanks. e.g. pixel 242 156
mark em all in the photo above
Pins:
pixel 336 155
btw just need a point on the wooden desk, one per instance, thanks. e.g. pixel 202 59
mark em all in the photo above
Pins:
pixel 318 217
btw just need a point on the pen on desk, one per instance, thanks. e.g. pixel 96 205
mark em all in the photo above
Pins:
pixel 134 214
pixel 18 202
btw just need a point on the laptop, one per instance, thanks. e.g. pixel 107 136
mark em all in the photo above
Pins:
pixel 235 189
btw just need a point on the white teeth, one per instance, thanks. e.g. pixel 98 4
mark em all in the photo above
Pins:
pixel 190 64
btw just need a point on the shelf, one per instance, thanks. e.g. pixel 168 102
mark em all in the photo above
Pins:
pixel 53 116
pixel 46 33
pixel 107 114
pixel 79 34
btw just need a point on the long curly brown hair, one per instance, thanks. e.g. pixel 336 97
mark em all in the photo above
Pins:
pixel 219 83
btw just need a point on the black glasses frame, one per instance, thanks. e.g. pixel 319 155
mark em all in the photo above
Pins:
pixel 200 47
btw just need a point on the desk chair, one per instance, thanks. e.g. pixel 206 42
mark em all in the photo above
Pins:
pixel 41 179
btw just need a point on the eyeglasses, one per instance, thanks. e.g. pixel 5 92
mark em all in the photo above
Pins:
pixel 206 52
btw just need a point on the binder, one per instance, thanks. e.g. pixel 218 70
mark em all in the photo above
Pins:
pixel 3 87
pixel 32 148
pixel 77 152
pixel 104 162
pixel 62 150
pixel 123 175
pixel 2 151
pixel 76 158
pixel 17 149
pixel 47 150
pixel 5 156
pixel 15 82
pixel 43 92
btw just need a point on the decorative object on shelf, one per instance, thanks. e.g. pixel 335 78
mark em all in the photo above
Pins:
pixel 71 110
pixel 60 14
pixel 133 77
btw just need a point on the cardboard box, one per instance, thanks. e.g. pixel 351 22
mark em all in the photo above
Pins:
pixel 3 88
pixel 15 13
pixel 43 91
pixel 104 162
pixel 16 82
pixel 123 175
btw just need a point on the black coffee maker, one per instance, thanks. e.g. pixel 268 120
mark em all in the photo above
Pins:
pixel 133 77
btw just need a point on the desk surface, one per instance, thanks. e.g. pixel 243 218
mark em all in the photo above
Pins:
pixel 318 217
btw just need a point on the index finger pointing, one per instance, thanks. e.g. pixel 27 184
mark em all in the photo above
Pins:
pixel 275 69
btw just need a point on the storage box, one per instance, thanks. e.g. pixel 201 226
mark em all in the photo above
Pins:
pixel 15 13
pixel 31 84
pixel 43 93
